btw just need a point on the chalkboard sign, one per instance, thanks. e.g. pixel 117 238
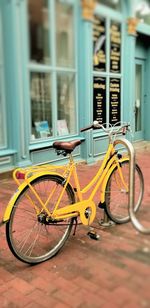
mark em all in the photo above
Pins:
pixel 114 109
pixel 115 47
pixel 99 99
pixel 99 44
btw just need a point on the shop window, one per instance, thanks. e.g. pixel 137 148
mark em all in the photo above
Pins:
pixel 66 103
pixel 41 109
pixel 107 74
pixel 115 47
pixel 52 68
pixel 38 16
pixel 114 101
pixel 99 44
pixel 64 34
pixel 99 99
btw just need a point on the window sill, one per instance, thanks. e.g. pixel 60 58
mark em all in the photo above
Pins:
pixel 7 152
pixel 48 143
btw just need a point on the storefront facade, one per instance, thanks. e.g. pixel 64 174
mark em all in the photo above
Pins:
pixel 65 63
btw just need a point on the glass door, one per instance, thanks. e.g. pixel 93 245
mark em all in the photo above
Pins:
pixel 139 99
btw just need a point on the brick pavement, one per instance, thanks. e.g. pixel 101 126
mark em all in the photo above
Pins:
pixel 111 272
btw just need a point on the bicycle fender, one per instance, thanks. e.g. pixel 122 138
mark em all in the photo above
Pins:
pixel 22 187
pixel 103 186
pixel 10 205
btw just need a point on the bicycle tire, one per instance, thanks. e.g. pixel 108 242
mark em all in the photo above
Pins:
pixel 116 197
pixel 30 240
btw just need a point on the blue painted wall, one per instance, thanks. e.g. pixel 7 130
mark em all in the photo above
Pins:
pixel 19 151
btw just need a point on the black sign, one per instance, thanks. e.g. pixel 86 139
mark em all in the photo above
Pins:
pixel 99 44
pixel 115 47
pixel 114 110
pixel 99 99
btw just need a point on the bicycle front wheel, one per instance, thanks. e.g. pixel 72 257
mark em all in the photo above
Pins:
pixel 31 238
pixel 116 194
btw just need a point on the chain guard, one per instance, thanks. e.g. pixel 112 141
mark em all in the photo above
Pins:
pixel 88 213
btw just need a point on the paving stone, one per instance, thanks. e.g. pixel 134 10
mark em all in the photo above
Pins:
pixel 112 272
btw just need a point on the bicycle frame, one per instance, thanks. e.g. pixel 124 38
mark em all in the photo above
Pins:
pixel 79 208
pixel 100 179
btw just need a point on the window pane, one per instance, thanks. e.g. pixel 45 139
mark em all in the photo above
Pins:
pixel 64 34
pixel 39 31
pixel 41 110
pixel 115 47
pixel 66 123
pixel 99 44
pixel 99 100
pixel 115 103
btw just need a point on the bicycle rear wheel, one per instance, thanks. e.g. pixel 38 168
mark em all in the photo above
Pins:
pixel 116 196
pixel 33 240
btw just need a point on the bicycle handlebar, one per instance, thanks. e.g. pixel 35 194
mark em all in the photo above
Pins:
pixel 111 130
pixel 86 128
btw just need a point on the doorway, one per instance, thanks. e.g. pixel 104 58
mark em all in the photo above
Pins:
pixel 139 99
pixel 141 85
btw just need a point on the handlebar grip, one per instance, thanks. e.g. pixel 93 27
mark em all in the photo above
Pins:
pixel 125 128
pixel 86 128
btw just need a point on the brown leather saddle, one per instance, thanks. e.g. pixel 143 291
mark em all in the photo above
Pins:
pixel 67 147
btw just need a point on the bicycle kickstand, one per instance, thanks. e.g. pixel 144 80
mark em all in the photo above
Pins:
pixel 92 233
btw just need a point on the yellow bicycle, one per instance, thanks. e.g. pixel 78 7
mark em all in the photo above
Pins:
pixel 49 200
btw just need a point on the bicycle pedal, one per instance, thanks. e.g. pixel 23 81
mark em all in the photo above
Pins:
pixel 93 235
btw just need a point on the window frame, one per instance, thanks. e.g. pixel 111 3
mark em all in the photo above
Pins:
pixel 53 70
pixel 111 6
pixel 110 15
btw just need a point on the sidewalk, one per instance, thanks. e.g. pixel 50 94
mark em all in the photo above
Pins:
pixel 110 273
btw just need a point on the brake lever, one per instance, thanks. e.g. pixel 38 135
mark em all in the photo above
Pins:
pixel 124 130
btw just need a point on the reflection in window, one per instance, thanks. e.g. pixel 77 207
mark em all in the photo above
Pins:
pixel 64 34
pixel 66 104
pixel 38 31
pixel 41 114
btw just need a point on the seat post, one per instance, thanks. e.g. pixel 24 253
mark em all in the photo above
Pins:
pixel 71 158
